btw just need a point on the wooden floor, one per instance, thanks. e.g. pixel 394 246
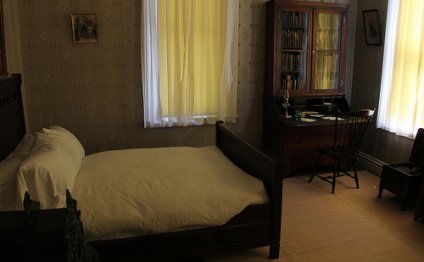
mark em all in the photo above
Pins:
pixel 351 225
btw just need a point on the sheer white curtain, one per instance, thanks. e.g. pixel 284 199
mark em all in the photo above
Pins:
pixel 401 103
pixel 189 61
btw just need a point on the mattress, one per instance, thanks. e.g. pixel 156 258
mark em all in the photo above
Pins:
pixel 137 192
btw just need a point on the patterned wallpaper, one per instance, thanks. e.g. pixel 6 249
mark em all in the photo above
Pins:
pixel 95 91
pixel 382 144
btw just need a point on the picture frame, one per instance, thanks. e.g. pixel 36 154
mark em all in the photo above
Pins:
pixel 84 28
pixel 372 27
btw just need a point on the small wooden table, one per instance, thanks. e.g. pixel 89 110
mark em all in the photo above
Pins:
pixel 419 212
pixel 403 180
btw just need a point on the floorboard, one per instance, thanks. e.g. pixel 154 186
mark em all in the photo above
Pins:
pixel 351 225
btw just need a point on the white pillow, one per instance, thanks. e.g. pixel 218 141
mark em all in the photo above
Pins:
pixel 46 173
pixel 66 139
pixel 8 173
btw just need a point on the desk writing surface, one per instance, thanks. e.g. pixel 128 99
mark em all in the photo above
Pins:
pixel 291 122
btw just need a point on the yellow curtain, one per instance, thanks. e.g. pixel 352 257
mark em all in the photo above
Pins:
pixel 197 48
pixel 327 47
pixel 405 100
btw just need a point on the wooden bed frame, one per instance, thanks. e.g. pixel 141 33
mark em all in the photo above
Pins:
pixel 255 226
pixel 12 123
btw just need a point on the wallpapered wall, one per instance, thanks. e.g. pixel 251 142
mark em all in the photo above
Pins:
pixel 380 144
pixel 95 90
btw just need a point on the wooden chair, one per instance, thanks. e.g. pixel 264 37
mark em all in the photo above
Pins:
pixel 349 129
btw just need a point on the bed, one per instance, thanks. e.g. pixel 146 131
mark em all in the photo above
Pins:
pixel 256 225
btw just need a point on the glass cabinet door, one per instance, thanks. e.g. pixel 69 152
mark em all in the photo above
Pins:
pixel 327 52
pixel 294 49
pixel 305 48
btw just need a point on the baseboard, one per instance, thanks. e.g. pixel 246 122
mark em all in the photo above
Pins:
pixel 370 163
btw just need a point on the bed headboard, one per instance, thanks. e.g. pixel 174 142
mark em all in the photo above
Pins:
pixel 12 123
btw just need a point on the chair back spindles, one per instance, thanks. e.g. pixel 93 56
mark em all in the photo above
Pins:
pixel 349 130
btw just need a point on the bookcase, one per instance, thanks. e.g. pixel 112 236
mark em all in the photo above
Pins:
pixel 306 48
pixel 305 73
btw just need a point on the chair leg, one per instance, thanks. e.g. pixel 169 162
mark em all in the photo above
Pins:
pixel 380 191
pixel 333 184
pixel 335 174
pixel 356 174
pixel 314 170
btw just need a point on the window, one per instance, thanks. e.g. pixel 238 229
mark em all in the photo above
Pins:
pixel 189 61
pixel 401 105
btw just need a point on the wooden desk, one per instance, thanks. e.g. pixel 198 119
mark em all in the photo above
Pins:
pixel 296 142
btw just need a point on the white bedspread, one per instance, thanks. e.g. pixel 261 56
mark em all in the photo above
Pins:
pixel 135 192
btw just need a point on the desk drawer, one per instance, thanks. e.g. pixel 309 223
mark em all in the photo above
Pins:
pixel 310 138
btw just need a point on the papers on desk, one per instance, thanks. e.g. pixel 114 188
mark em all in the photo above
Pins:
pixel 332 118
pixel 306 113
pixel 304 119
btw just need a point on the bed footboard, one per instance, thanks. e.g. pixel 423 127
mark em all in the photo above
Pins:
pixel 261 166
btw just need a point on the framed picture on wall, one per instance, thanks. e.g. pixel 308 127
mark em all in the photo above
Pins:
pixel 84 28
pixel 372 27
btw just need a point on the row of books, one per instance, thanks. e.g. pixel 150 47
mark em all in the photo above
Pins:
pixel 292 62
pixel 294 38
pixel 292 18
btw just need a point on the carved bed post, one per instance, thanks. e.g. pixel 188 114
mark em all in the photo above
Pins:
pixel 30 207
pixel 78 250
pixel 74 230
